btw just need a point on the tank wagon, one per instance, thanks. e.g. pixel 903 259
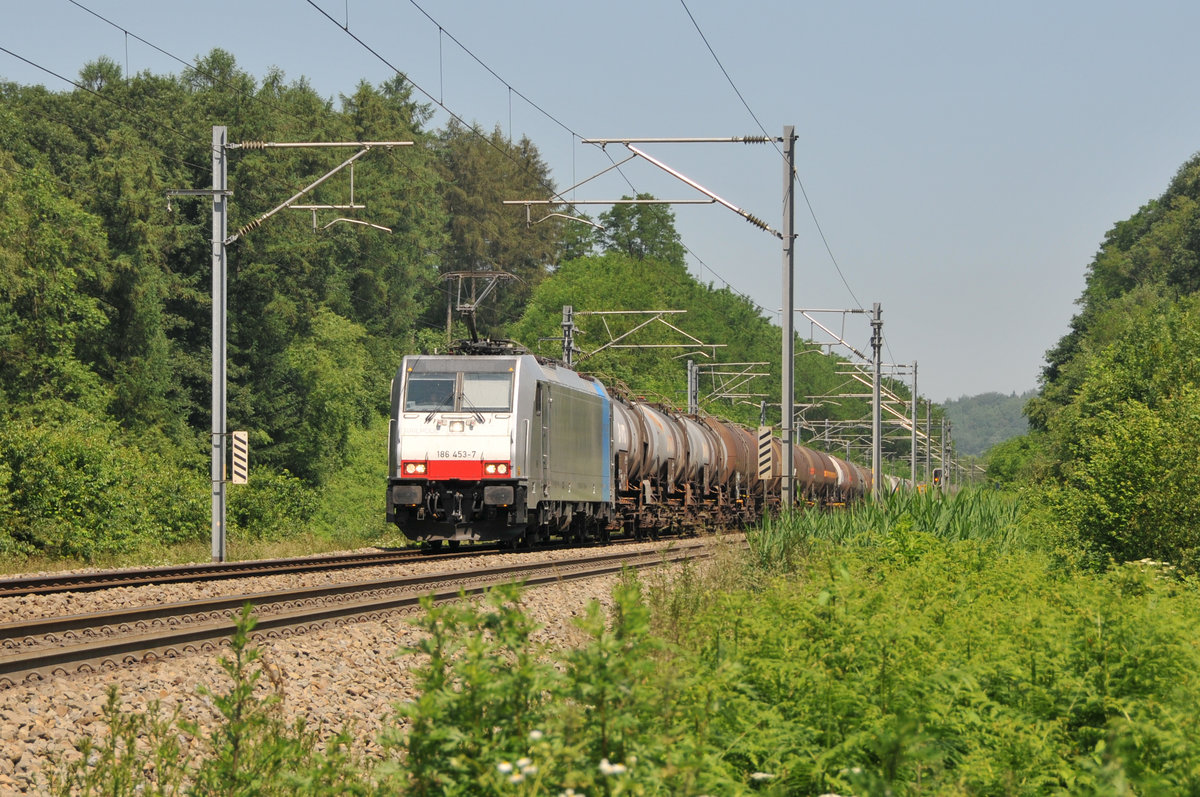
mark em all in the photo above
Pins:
pixel 513 447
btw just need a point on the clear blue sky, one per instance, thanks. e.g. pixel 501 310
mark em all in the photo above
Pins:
pixel 963 159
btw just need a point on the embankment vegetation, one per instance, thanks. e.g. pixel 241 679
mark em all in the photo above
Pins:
pixel 926 645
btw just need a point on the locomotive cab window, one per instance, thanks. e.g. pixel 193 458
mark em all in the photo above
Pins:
pixel 458 392
pixel 430 392
pixel 487 392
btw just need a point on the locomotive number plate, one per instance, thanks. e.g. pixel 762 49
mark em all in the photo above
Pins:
pixel 457 454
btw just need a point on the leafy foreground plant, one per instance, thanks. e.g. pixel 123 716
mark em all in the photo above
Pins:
pixel 930 668
pixel 497 715
pixel 959 671
pixel 251 752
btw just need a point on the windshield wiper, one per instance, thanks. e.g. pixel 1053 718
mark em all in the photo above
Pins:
pixel 440 405
pixel 468 403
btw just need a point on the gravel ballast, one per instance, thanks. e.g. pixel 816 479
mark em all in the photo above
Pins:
pixel 343 674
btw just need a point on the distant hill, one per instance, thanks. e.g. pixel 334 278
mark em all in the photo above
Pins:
pixel 982 421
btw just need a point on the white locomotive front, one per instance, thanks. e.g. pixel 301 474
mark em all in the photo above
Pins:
pixel 497 448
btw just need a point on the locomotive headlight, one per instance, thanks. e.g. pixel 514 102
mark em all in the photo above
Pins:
pixel 414 468
pixel 496 468
pixel 456 426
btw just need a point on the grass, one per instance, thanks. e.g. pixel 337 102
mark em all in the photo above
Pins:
pixel 304 543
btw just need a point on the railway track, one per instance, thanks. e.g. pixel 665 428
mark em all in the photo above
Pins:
pixel 55 647
pixel 214 571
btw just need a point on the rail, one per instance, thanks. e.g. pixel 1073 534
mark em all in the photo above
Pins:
pixel 56 647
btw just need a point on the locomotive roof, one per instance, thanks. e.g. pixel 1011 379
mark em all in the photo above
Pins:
pixel 423 363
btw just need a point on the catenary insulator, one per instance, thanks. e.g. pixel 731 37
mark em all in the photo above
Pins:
pixel 251 226
pixel 757 222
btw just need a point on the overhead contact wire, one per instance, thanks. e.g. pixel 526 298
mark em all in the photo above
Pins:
pixel 440 103
pixel 795 175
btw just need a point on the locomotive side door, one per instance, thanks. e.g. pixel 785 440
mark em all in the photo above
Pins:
pixel 539 444
pixel 545 406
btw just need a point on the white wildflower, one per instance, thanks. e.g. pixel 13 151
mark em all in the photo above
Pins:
pixel 516 777
pixel 523 762
pixel 761 776
pixel 536 735
pixel 504 767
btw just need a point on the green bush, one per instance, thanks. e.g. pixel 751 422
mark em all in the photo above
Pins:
pixel 1125 483
pixel 960 669
pixel 1131 490
pixel 1017 461
pixel 271 506
pixel 351 505
pixel 78 488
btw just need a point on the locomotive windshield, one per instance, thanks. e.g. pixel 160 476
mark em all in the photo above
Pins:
pixel 458 392
pixel 430 392
pixel 487 392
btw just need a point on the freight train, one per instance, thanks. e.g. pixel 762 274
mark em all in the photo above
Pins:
pixel 518 449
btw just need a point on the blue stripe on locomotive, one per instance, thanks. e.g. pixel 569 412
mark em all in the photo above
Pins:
pixel 605 438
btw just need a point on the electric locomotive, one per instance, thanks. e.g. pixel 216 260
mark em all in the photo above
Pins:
pixel 498 448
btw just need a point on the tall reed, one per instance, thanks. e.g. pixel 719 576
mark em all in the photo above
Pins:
pixel 895 520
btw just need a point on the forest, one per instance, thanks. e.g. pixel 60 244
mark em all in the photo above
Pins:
pixel 1115 426
pixel 105 300
pixel 105 318
pixel 1035 637
pixel 987 419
